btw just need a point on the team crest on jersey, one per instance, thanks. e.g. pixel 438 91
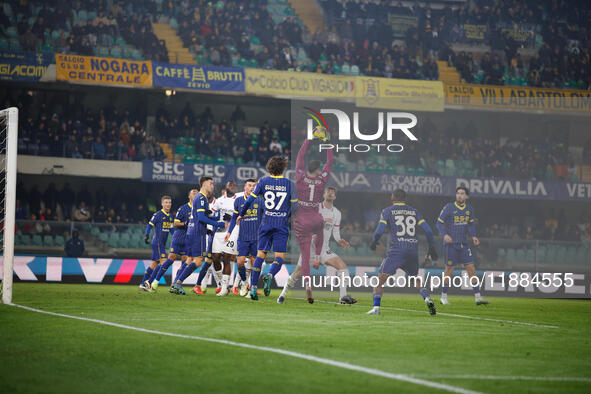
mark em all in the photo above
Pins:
pixel 324 174
pixel 455 212
pixel 255 205
pixel 467 212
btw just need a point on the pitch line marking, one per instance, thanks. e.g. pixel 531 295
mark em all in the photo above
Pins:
pixel 521 323
pixel 509 377
pixel 339 364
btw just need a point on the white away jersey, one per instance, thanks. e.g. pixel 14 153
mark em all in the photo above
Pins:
pixel 224 205
pixel 332 222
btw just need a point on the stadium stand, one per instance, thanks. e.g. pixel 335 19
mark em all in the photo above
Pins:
pixel 61 126
pixel 111 29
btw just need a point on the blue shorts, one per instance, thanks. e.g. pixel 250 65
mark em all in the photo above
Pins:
pixel 178 248
pixel 273 236
pixel 456 254
pixel 196 246
pixel 158 252
pixel 247 248
pixel 405 259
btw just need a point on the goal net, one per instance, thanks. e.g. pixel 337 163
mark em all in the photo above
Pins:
pixel 8 152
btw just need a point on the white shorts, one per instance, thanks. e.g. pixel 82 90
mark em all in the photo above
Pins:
pixel 325 255
pixel 221 246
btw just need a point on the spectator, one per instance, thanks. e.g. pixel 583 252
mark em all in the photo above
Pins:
pixel 74 246
pixel 81 213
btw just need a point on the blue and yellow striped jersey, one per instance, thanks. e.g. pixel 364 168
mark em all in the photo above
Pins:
pixel 455 220
pixel 402 222
pixel 161 221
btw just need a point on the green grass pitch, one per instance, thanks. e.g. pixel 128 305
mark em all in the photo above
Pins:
pixel 51 354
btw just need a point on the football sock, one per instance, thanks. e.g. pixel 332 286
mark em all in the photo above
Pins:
pixel 180 271
pixel 187 272
pixel 343 276
pixel 424 293
pixel 377 300
pixel 225 280
pixel 163 269
pixel 256 272
pixel 242 273
pixel 155 273
pixel 276 266
pixel 202 273
pixel 147 275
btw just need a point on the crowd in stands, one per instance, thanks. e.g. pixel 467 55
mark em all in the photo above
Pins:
pixel 558 32
pixel 95 27
pixel 550 228
pixel 67 204
pixel 61 128
pixel 203 136
pixel 562 31
pixel 55 125
pixel 518 158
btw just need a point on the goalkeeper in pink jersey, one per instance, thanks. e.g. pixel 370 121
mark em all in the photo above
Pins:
pixel 310 184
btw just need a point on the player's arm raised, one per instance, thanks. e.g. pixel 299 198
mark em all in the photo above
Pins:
pixel 300 160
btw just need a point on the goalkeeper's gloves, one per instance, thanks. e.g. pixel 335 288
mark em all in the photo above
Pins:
pixel 432 254
pixel 227 217
pixel 209 232
pixel 147 239
pixel 373 245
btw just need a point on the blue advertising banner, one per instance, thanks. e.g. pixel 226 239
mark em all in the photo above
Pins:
pixel 24 66
pixel 430 185
pixel 229 79
pixel 33 268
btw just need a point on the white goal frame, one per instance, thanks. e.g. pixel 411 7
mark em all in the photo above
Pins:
pixel 10 200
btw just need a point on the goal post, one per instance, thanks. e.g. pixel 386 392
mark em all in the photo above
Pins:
pixel 9 146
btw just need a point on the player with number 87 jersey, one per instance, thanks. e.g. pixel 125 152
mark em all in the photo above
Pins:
pixel 280 201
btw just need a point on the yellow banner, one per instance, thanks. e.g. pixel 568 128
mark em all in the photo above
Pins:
pixel 405 94
pixel 299 84
pixel 101 70
pixel 518 97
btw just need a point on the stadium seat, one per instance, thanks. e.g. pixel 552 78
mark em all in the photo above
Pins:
pixel 116 52
pixel 125 240
pixel 59 240
pixel 103 237
pixel 113 240
pixel 25 239
pixel 511 255
pixel 37 240
pixel 530 256
pixel 47 240
pixel 520 255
